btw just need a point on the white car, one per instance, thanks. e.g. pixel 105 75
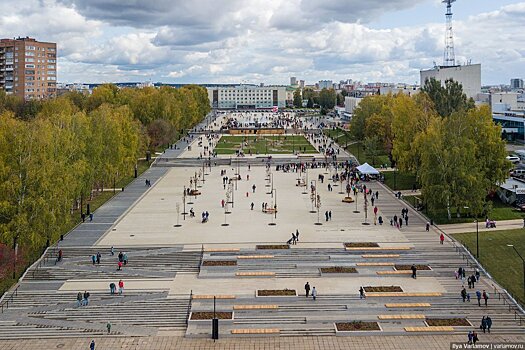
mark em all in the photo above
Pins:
pixel 513 159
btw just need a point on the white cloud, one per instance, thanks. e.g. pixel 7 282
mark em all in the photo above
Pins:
pixel 258 40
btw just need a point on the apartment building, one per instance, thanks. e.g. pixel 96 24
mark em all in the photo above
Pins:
pixel 28 68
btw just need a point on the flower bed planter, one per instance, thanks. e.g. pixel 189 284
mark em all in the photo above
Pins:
pixel 205 315
pixel 361 245
pixel 219 263
pixel 456 322
pixel 273 246
pixel 338 269
pixel 276 293
pixel 383 289
pixel 357 326
pixel 409 267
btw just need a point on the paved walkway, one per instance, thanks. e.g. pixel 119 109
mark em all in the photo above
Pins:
pixel 428 342
pixel 471 226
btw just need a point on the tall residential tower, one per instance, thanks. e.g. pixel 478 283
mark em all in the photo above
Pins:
pixel 28 68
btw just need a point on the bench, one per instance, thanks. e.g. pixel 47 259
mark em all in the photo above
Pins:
pixel 255 307
pixel 395 272
pixel 403 294
pixel 255 274
pixel 255 257
pixel 402 317
pixel 430 329
pixel 407 305
pixel 378 248
pixel 209 296
pixel 256 331
pixel 221 250
pixel 375 264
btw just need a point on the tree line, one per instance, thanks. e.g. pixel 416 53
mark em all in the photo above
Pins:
pixel 452 146
pixel 54 153
pixel 327 99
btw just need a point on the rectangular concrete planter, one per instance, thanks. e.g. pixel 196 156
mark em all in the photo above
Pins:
pixel 275 296
pixel 226 321
pixel 354 333
pixel 470 323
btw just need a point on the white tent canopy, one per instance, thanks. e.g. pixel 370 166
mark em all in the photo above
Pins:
pixel 367 169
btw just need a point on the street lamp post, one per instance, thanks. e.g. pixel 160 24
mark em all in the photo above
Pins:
pixel 523 261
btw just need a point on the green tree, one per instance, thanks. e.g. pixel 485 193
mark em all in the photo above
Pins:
pixel 372 146
pixel 449 98
pixel 462 159
pixel 297 99
pixel 327 99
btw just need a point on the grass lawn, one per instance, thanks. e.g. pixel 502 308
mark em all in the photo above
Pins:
pixel 501 261
pixel 278 144
pixel 403 181
pixel 358 151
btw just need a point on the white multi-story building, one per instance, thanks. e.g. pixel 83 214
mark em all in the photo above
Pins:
pixel 325 84
pixel 469 76
pixel 247 97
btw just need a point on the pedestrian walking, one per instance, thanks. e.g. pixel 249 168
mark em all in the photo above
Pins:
pixel 414 271
pixel 478 296
pixel 470 336
pixel 253 188
pixel 108 326
pixel 489 323
pixel 477 275
pixel 406 218
pixel 330 215
pixel 79 299
pixel 98 257
pixel 464 294
pixel 120 287
pixel 112 288
pixel 474 337
pixel 427 227
pixel 361 293
pixel 400 223
pixel 93 259
pixel 377 195
pixel 307 289
pixel 441 238
pixel 119 266
pixel 483 325
pixel 92 345
pixel 297 235
pixel 251 206
pixel 485 296
pixel 314 293
pixel 91 217
pixel 294 239
pixel 85 301
pixel 326 215
pixel 112 251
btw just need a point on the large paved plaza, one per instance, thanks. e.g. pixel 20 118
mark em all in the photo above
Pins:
pixel 170 276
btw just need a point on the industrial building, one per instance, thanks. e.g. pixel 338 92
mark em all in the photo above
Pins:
pixel 469 76
pixel 28 68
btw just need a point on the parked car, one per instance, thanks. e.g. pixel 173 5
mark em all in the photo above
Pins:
pixel 513 159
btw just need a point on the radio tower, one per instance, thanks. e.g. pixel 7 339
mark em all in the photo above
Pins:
pixel 449 58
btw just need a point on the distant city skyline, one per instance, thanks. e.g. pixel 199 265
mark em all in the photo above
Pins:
pixel 254 41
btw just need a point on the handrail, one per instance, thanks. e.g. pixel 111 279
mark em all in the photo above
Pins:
pixel 6 301
pixel 473 262
pixel 189 307
pixel 202 254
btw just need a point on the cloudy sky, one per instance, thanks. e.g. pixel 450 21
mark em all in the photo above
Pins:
pixel 233 41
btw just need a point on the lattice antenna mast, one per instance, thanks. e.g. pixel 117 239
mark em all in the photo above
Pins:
pixel 449 58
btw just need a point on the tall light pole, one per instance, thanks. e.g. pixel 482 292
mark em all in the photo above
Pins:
pixel 523 261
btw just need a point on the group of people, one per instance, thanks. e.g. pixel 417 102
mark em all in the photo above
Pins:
pixel 309 291
pixel 294 239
